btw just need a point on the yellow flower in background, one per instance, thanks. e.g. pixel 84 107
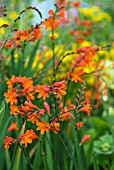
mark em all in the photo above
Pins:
pixel 56 35
pixel 59 49
pixel 2 30
pixel 85 43
pixel 106 55
pixel 91 67
pixel 16 57
pixel 95 13
pixel 87 12
pixel 112 53
pixel 48 53
pixel 38 61
pixel 90 11
pixel 101 16
pixel 3 21
pixel 90 79
pixel 74 46
pixel 13 15
pixel 68 59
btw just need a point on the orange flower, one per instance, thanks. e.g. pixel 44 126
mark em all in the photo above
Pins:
pixel 61 2
pixel 65 116
pixel 11 81
pixel 59 88
pixel 41 111
pixel 33 117
pixel 13 126
pixel 27 137
pixel 7 142
pixel 43 91
pixel 30 96
pixel 76 76
pixel 85 138
pixel 11 96
pixel 24 109
pixel 27 89
pixel 48 23
pixel 54 126
pixel 87 23
pixel 85 108
pixel 25 34
pixel 79 125
pixel 75 4
pixel 51 23
pixel 51 12
pixel 80 40
pixel 20 80
pixel 14 110
pixel 36 33
pixel 30 105
pixel 46 106
pixel 42 126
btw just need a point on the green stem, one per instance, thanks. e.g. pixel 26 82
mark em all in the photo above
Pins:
pixel 68 83
pixel 27 156
pixel 53 49
pixel 60 61
pixel 79 159
pixel 6 38
pixel 69 152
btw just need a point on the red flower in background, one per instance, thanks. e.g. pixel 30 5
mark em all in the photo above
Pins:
pixel 85 138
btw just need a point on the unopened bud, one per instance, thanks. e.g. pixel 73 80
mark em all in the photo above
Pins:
pixel 5 25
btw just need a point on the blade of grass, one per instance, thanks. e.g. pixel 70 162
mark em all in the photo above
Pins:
pixel 37 158
pixel 49 158
pixel 2 135
pixel 7 158
pixel 17 153
pixel 2 110
pixel 96 166
pixel 31 60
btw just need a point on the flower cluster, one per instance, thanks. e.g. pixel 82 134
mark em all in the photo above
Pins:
pixel 23 139
pixel 45 105
pixel 21 95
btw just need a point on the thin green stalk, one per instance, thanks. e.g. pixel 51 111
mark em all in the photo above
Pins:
pixel 77 150
pixel 60 61
pixel 69 153
pixel 23 57
pixel 68 84
pixel 78 153
pixel 53 49
pixel 6 38
pixel 27 156
pixel 81 151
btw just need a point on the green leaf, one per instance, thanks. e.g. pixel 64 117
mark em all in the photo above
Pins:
pixel 104 145
pixel 2 110
pixel 32 57
pixel 49 157
pixel 17 153
pixel 2 135
pixel 7 158
pixel 96 166
pixel 103 125
pixel 16 158
pixel 37 158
